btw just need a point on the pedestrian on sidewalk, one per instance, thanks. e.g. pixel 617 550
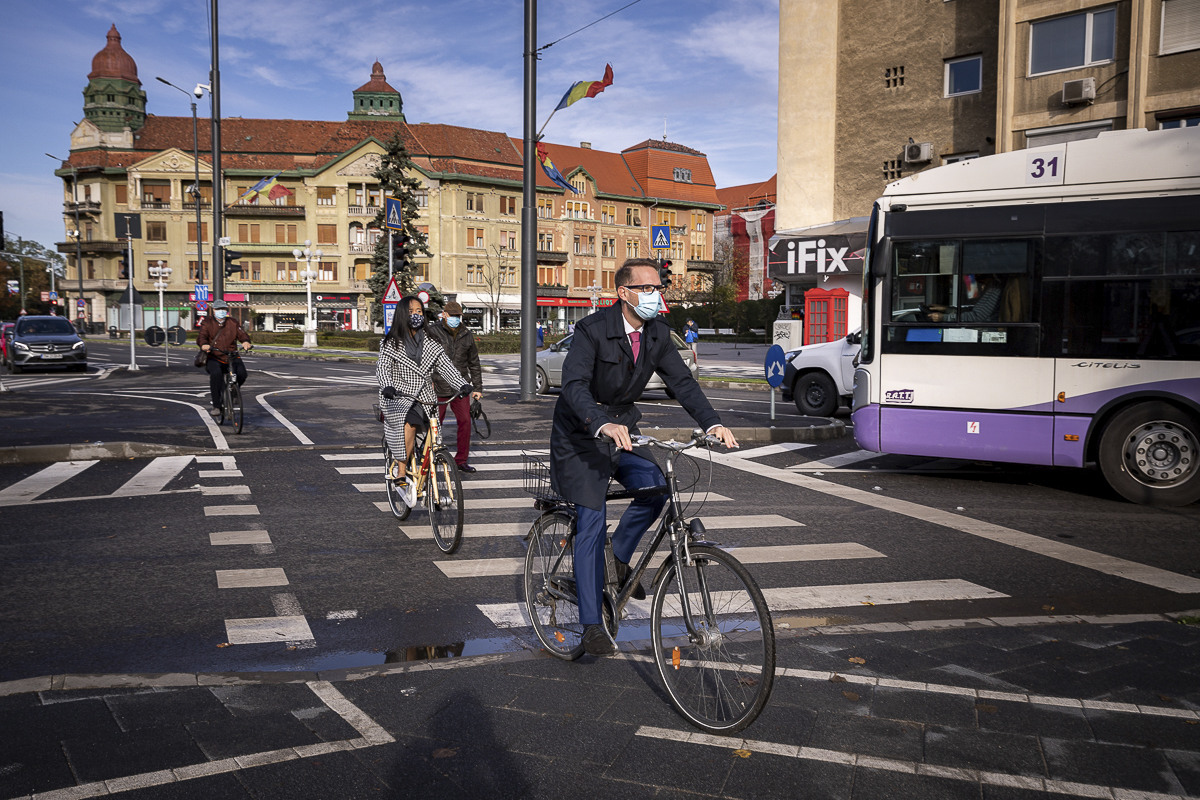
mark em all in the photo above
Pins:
pixel 459 343
pixel 541 335
pixel 691 334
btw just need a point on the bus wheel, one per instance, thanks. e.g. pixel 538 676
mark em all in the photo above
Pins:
pixel 816 396
pixel 1148 454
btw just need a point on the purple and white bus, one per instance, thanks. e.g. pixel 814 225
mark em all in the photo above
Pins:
pixel 1042 307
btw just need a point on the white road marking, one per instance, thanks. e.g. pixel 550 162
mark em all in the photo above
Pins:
pixel 378 456
pixel 919 768
pixel 231 511
pixel 221 473
pixel 282 419
pixel 226 462
pixel 154 476
pixel 833 462
pixel 42 481
pixel 351 613
pixel 358 371
pixel 239 537
pixel 482 530
pixel 249 578
pixel 214 430
pixel 224 490
pixel 797 598
pixel 527 502
pixel 1105 564
pixel 371 732
pixel 770 449
pixel 467 485
pixel 376 469
pixel 482 567
pixel 258 630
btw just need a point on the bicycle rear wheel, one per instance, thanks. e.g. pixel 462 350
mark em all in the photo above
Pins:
pixel 235 407
pixel 721 682
pixel 399 508
pixel 444 499
pixel 550 585
pixel 225 405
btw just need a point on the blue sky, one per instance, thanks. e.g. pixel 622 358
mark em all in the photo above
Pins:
pixel 709 67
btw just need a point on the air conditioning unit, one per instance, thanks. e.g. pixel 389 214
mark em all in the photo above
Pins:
pixel 1079 92
pixel 918 152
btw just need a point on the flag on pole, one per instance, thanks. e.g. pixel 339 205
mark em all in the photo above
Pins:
pixel 552 171
pixel 262 186
pixel 584 89
pixel 278 190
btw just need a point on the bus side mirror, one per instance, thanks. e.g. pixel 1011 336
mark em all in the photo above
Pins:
pixel 880 255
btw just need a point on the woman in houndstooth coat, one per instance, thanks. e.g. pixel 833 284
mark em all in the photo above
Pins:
pixel 407 359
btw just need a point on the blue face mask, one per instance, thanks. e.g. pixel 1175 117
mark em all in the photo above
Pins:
pixel 220 314
pixel 647 306
pixel 453 322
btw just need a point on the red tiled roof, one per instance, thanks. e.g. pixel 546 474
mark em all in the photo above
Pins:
pixel 662 144
pixel 747 194
pixel 610 171
pixel 471 144
pixel 378 82
pixel 113 61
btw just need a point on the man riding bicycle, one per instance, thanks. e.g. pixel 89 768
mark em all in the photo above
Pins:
pixel 222 332
pixel 612 356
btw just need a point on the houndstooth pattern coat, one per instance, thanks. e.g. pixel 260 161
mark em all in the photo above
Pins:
pixel 413 381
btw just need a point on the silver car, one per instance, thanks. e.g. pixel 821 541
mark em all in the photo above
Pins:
pixel 550 364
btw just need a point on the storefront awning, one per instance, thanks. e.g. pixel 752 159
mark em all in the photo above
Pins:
pixel 575 302
pixel 832 248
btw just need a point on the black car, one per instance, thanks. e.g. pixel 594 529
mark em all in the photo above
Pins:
pixel 49 342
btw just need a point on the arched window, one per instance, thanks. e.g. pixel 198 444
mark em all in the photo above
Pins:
pixel 357 235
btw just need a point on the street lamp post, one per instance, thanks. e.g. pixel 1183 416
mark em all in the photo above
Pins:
pixel 308 256
pixel 162 274
pixel 195 191
pixel 78 243
pixel 595 289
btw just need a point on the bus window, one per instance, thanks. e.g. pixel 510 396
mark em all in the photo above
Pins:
pixel 924 276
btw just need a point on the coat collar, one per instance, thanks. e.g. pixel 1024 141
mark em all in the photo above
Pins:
pixel 616 329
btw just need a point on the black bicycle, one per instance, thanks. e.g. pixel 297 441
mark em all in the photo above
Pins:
pixel 231 394
pixel 711 630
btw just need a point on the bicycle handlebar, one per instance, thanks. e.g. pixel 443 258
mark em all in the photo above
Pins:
pixel 219 351
pixel 699 439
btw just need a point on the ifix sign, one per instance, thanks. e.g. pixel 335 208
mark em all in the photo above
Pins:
pixel 803 253
pixel 818 254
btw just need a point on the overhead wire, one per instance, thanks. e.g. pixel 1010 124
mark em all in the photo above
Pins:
pixel 585 27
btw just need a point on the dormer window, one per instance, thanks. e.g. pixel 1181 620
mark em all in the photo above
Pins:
pixel 683 175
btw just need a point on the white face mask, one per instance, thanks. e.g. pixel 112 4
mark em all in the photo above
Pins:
pixel 220 314
pixel 647 305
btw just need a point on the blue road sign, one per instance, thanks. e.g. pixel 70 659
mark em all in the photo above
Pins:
pixel 389 313
pixel 54 295
pixel 774 365
pixel 202 306
pixel 393 217
pixel 201 293
pixel 660 237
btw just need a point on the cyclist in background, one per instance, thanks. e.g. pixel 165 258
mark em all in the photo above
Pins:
pixel 223 332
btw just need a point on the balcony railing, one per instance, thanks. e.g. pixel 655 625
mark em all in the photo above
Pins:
pixel 156 205
pixel 362 211
pixel 84 206
pixel 91 247
pixel 358 248
pixel 205 205
pixel 239 210
pixel 552 257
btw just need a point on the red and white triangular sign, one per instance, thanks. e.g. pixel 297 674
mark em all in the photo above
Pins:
pixel 392 295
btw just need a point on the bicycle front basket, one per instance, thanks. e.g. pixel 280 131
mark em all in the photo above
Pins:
pixel 537 478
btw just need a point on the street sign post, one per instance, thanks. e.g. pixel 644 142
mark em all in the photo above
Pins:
pixel 774 367
pixel 391 299
pixel 393 218
pixel 81 304
pixel 660 237
pixel 201 293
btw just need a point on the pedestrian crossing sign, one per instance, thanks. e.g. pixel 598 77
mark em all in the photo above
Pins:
pixel 660 237
pixel 392 295
pixel 393 214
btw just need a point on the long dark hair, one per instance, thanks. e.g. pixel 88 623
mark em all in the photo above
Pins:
pixel 400 330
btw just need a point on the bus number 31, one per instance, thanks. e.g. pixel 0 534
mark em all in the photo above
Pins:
pixel 1040 166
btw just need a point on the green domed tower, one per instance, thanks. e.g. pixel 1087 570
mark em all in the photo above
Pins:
pixel 113 99
pixel 375 99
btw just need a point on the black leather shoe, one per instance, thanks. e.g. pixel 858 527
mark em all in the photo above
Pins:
pixel 622 573
pixel 597 642
pixel 467 468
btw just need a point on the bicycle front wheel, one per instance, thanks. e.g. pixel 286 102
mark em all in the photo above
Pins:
pixel 400 509
pixel 235 407
pixel 721 680
pixel 550 586
pixel 443 497
pixel 225 405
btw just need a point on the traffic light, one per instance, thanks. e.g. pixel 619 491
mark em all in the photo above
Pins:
pixel 123 263
pixel 230 257
pixel 399 256
pixel 664 273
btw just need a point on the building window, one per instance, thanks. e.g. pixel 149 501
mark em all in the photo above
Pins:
pixel 285 234
pixel 327 271
pixel 248 232
pixel 964 76
pixel 285 271
pixel 91 269
pixel 422 198
pixel 682 175
pixel 327 234
pixel 576 245
pixel 255 270
pixel 88 230
pixel 665 217
pixel 607 277
pixel 1180 26
pixel 156 195
pixel 581 278
pixel 474 274
pixel 374 196
pixel 954 159
pixel 197 271
pixel 157 231
pixel 633 217
pixel 122 193
pixel 192 231
pixel 697 252
pixel 548 276
pixel 545 208
pixel 508 275
pixel 892 170
pixel 699 221
pixel 373 235
pixel 591 246
pixel 1183 122
pixel 475 202
pixel 475 237
pixel 325 196
pixel 578 184
pixel 508 240
pixel 1073 41
pixel 576 210
pixel 508 206
pixel 1057 134
pixel 893 77
pixel 608 214
pixel 608 247
pixel 632 246
pixel 282 200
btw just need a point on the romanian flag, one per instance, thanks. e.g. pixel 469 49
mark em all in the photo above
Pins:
pixel 265 185
pixel 552 171
pixel 586 89
pixel 278 190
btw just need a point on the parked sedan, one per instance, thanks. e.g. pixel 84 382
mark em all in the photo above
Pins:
pixel 49 342
pixel 550 364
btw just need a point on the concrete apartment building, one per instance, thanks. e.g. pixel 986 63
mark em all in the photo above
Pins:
pixel 871 91
pixel 129 162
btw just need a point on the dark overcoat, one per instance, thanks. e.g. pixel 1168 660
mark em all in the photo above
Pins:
pixel 600 383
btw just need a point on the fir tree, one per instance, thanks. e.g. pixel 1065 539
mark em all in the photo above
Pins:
pixel 396 181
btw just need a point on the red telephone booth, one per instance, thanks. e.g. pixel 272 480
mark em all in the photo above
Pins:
pixel 825 312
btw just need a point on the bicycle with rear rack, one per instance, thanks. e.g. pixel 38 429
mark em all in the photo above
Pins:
pixel 711 631
pixel 438 484
pixel 231 393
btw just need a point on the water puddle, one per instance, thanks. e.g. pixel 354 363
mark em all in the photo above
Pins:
pixel 400 655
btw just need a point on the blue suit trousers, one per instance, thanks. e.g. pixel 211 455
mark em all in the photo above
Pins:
pixel 633 472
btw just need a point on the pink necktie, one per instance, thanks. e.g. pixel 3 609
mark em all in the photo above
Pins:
pixel 635 341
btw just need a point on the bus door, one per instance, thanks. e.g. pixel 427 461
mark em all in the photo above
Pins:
pixel 959 371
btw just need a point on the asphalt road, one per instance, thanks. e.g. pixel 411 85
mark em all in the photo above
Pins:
pixel 274 555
